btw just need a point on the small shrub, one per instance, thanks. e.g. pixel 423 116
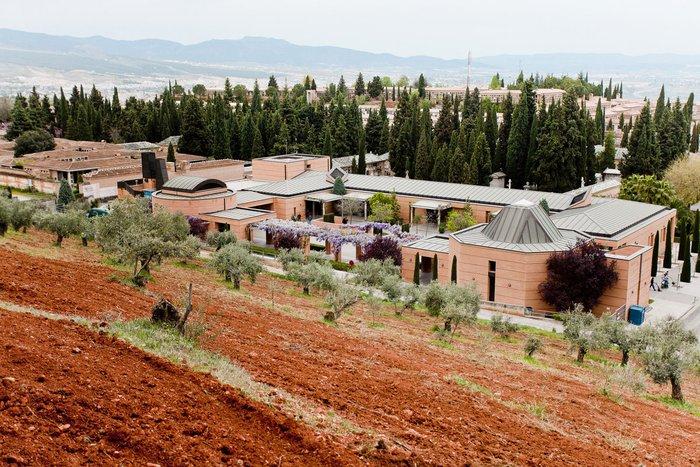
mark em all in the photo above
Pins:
pixel 198 227
pixel 286 240
pixel 532 345
pixel 503 326
pixel 383 247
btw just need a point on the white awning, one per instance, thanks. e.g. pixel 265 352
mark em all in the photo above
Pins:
pixel 323 197
pixel 359 195
pixel 431 204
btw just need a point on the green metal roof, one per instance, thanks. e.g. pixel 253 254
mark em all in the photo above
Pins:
pixel 191 183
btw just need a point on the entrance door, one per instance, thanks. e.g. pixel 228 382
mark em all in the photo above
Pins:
pixel 492 281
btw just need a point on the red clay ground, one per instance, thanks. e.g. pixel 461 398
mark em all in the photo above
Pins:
pixel 79 397
pixel 477 401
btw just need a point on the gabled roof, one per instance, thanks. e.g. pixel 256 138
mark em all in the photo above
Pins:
pixel 522 222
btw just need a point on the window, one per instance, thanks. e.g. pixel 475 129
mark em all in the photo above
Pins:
pixel 492 266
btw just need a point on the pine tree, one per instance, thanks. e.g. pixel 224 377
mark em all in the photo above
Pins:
pixel 19 120
pixel 171 153
pixel 643 149
pixel 424 162
pixel 668 248
pixel 65 195
pixel 655 256
pixel 196 138
pixel 228 91
pixel 360 86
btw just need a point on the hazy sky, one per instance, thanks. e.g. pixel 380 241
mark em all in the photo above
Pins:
pixel 443 28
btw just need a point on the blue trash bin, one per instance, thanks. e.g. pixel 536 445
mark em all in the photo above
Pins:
pixel 636 315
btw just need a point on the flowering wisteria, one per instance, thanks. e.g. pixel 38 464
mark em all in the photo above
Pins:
pixel 358 234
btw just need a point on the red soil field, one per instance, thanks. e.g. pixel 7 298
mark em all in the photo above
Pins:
pixel 476 402
pixel 71 396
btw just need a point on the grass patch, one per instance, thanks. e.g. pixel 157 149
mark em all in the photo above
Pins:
pixel 375 325
pixel 442 343
pixel 540 332
pixel 534 362
pixel 598 359
pixel 187 265
pixel 605 391
pixel 538 409
pixel 686 406
pixel 470 385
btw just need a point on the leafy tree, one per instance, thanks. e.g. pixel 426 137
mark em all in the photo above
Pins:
pixel 339 299
pixel 382 247
pixel 580 275
pixel 460 219
pixel 669 349
pixel 198 226
pixel 461 306
pixel 33 141
pixel 371 272
pixel 684 176
pixel 65 194
pixel 235 261
pixel 21 214
pixel 434 298
pixel 626 338
pixel 582 330
pixel 647 189
pixel 218 240
pixel 312 275
pixel 138 237
pixel 402 296
pixel 384 208
pixel 5 215
pixel 62 224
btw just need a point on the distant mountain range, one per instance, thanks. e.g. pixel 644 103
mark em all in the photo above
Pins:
pixel 146 64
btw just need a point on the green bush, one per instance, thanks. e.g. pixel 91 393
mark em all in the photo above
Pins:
pixel 33 141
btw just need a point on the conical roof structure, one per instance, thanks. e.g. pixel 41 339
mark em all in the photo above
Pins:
pixel 522 222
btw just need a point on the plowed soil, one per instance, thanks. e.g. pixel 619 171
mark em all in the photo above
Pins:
pixel 474 400
pixel 71 396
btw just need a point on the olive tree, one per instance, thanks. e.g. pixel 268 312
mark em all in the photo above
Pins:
pixel 401 295
pixel 434 298
pixel 235 261
pixel 371 273
pixel 622 335
pixel 532 345
pixel 668 349
pixel 139 237
pixel 312 275
pixel 5 215
pixel 339 299
pixel 503 326
pixel 583 331
pixel 21 215
pixel 62 224
pixel 218 240
pixel 461 306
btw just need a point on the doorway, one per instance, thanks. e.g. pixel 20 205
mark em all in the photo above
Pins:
pixel 492 281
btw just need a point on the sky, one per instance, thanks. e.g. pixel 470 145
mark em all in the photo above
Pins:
pixel 441 28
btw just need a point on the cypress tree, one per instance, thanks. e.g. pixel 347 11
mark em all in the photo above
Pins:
pixel 643 149
pixel 491 134
pixel 424 162
pixel 668 249
pixel 683 240
pixel 171 153
pixel 655 256
pixel 660 106
pixel 696 233
pixel 416 269
pixel 685 272
pixel 353 166
pixel 480 164
pixel 361 160
pixel 453 273
pixel 499 163
pixel 327 141
pixel 607 158
pixel 435 267
pixel 519 138
pixel 196 138
pixel 65 194
pixel 440 172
